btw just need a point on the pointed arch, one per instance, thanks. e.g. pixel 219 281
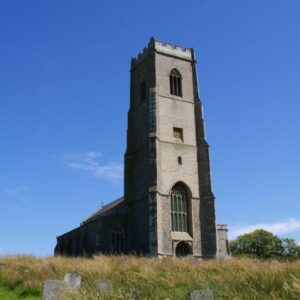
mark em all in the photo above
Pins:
pixel 180 182
pixel 180 196
pixel 175 83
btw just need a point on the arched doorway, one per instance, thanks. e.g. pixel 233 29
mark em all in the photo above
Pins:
pixel 183 249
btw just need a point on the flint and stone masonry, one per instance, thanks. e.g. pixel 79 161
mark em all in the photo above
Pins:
pixel 168 206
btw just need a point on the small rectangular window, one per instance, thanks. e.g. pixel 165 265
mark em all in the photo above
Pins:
pixel 178 133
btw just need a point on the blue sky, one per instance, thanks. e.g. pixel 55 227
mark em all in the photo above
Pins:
pixel 64 97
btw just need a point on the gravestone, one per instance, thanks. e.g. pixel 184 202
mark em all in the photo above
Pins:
pixel 205 294
pixel 73 280
pixel 103 285
pixel 54 289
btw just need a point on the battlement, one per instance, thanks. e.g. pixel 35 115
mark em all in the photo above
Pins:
pixel 222 227
pixel 155 45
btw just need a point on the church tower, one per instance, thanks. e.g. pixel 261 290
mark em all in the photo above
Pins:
pixel 168 198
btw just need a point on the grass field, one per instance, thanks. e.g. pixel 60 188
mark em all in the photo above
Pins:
pixel 22 277
pixel 7 294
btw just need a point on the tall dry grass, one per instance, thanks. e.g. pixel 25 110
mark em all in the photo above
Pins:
pixel 152 278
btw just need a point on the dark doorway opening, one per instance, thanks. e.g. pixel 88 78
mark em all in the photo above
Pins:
pixel 183 249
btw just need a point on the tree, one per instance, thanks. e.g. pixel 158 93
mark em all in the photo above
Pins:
pixel 259 243
pixel 290 248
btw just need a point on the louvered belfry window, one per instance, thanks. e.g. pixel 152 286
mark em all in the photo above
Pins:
pixel 179 208
pixel 175 83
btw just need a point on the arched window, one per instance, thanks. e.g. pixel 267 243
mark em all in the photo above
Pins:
pixel 175 83
pixel 117 240
pixel 180 208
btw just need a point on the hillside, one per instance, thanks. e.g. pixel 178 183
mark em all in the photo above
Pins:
pixel 150 278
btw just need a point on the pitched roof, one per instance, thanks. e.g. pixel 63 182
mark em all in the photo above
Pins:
pixel 103 210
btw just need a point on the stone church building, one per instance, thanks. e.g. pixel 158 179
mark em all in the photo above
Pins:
pixel 168 206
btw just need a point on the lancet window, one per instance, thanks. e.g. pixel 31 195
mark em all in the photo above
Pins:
pixel 175 83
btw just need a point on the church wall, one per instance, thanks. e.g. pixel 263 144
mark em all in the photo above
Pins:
pixel 137 168
pixel 173 111
pixel 167 239
pixel 196 228
pixel 91 231
pixel 207 205
pixel 82 240
pixel 164 225
pixel 68 243
pixel 171 171
pixel 164 64
pixel 138 237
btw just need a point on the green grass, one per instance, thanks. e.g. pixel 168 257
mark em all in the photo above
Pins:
pixel 152 278
pixel 6 294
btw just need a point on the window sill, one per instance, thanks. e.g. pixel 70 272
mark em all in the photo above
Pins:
pixel 181 236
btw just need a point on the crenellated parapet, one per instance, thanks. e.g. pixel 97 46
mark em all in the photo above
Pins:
pixel 222 227
pixel 166 48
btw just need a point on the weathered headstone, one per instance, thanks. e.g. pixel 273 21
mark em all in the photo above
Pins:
pixel 54 289
pixel 2 267
pixel 205 294
pixel 73 280
pixel 103 285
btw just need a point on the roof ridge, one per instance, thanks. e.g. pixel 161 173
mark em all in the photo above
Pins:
pixel 103 209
